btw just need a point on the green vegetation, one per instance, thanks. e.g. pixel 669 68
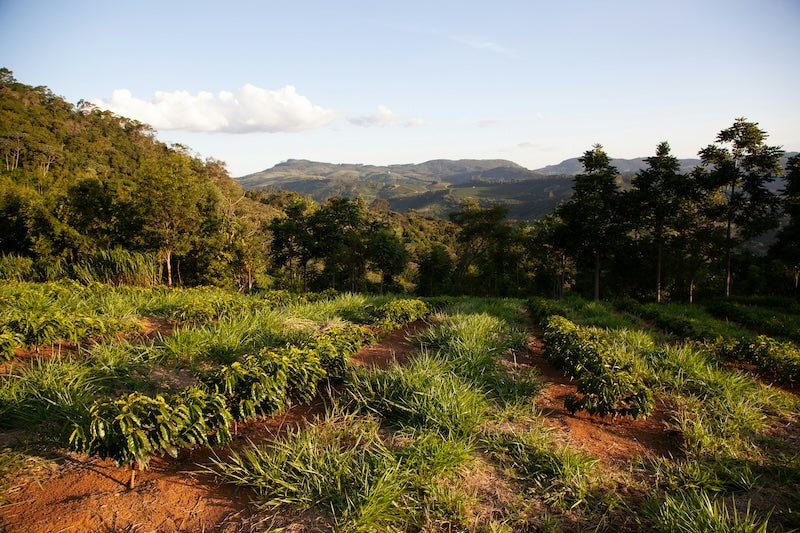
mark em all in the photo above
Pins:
pixel 94 197
pixel 608 386
pixel 102 353
pixel 406 447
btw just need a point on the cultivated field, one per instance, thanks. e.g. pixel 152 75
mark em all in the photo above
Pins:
pixel 131 409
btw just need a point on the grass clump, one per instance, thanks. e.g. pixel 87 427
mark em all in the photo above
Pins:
pixel 692 510
pixel 563 477
pixel 424 395
pixel 48 393
pixel 342 466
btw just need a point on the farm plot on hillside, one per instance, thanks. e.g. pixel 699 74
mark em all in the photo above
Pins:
pixel 595 420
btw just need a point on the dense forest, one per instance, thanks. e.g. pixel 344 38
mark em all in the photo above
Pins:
pixel 93 196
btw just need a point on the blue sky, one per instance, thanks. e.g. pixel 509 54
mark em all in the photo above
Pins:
pixel 256 83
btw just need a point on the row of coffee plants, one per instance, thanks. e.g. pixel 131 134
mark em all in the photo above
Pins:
pixel 781 359
pixel 691 322
pixel 134 428
pixel 607 385
pixel 767 320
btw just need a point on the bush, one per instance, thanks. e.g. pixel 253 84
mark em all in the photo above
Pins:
pixel 395 313
pixel 136 427
pixel 782 359
pixel 608 386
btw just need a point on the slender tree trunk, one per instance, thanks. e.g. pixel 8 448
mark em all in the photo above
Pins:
pixel 658 272
pixel 168 261
pixel 691 291
pixel 728 243
pixel 597 276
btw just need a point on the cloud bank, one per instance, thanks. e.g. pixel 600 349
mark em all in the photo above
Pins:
pixel 250 109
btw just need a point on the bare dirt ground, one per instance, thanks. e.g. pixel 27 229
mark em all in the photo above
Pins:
pixel 77 493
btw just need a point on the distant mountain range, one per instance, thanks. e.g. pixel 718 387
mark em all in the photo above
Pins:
pixel 438 187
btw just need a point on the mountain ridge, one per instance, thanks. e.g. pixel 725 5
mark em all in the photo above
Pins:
pixel 437 187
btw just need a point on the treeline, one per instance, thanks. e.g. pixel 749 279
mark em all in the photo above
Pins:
pixel 93 196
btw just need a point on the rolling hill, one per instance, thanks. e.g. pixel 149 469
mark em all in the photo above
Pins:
pixel 438 187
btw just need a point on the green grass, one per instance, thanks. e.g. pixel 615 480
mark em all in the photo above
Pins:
pixel 690 511
pixel 342 465
pixel 48 393
pixel 421 395
pixel 563 477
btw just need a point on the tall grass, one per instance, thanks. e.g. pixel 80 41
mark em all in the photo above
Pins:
pixel 424 395
pixel 48 393
pixel 342 465
pixel 562 476
pixel 690 511
pixel 118 266
pixel 225 340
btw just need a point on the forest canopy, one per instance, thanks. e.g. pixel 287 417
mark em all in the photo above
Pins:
pixel 90 195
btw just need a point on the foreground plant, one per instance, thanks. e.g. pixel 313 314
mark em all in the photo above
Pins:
pixel 342 465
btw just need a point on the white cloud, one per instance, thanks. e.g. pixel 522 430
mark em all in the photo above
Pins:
pixel 414 122
pixel 249 109
pixel 383 117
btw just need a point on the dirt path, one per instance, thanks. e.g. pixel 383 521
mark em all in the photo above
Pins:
pixel 77 493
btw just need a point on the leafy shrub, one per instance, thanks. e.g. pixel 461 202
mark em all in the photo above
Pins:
pixel 541 309
pixel 334 346
pixel 607 385
pixel 9 341
pixel 136 427
pixel 779 358
pixel 255 386
pixel 395 313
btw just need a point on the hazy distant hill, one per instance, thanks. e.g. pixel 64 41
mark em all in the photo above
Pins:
pixel 625 166
pixel 434 187
pixel 422 174
pixel 439 186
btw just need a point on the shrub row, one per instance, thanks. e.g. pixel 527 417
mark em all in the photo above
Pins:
pixel 541 309
pixel 35 328
pixel 766 320
pixel 136 427
pixel 395 313
pixel 608 386
pixel 678 325
pixel 782 359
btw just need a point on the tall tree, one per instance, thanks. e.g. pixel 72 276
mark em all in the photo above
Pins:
pixel 590 214
pixel 434 271
pixel 787 246
pixel 484 233
pixel 168 196
pixel 656 198
pixel 736 170
pixel 386 253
